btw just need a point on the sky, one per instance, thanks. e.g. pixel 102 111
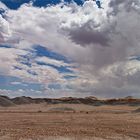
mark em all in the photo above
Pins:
pixel 57 48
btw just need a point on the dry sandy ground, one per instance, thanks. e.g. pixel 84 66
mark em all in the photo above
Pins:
pixel 69 122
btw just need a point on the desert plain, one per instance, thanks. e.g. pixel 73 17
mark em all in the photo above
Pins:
pixel 69 121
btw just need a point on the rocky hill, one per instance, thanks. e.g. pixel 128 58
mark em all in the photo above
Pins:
pixel 6 101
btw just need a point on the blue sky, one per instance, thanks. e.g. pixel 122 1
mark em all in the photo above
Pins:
pixel 54 48
pixel 14 83
pixel 15 4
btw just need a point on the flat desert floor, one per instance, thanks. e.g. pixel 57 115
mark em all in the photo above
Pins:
pixel 69 122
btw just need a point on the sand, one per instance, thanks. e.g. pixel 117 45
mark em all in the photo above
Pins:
pixel 69 122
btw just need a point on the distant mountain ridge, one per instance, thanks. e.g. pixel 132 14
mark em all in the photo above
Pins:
pixel 6 101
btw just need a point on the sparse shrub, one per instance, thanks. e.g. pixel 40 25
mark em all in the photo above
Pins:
pixel 39 111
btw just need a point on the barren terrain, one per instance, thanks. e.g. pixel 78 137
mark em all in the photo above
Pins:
pixel 69 122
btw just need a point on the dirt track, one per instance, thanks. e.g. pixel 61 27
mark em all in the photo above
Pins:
pixel 39 122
